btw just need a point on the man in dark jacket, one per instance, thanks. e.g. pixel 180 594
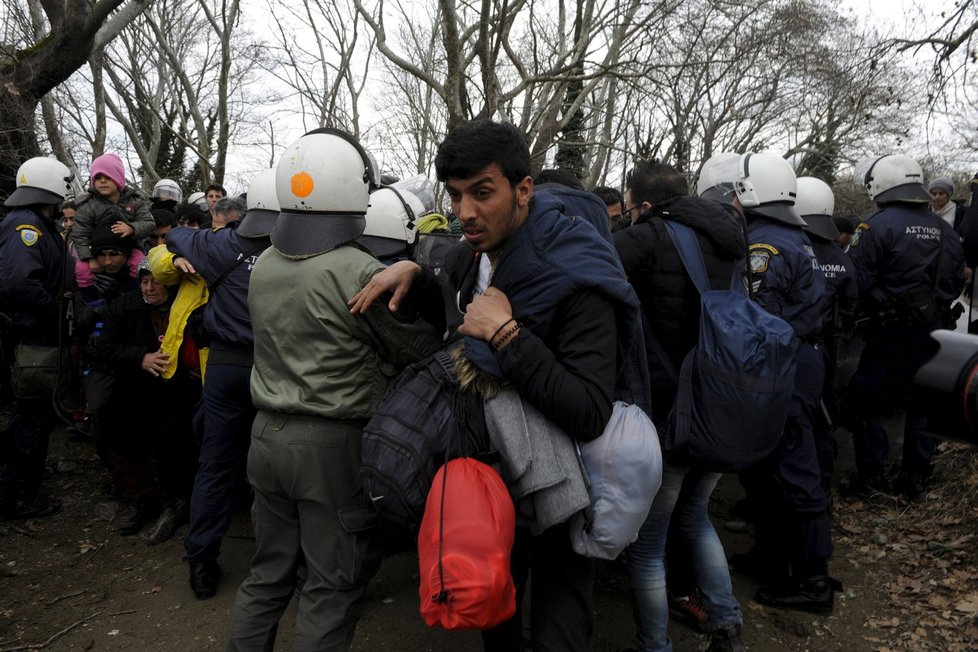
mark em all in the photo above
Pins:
pixel 223 422
pixel 539 291
pixel 793 523
pixel 910 267
pixel 671 305
pixel 815 204
pixel 32 283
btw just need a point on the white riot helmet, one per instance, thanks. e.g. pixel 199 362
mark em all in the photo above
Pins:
pixel 896 178
pixel 323 183
pixel 815 204
pixel 717 177
pixel 41 180
pixel 766 185
pixel 392 222
pixel 167 190
pixel 262 212
pixel 199 200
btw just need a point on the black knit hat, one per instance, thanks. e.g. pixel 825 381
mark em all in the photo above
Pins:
pixel 103 239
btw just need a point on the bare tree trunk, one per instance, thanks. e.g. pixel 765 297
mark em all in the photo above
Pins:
pixel 32 72
pixel 98 89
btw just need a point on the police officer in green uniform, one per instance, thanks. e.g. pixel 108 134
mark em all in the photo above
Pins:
pixel 319 373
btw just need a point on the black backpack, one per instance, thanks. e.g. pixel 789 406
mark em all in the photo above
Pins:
pixel 407 439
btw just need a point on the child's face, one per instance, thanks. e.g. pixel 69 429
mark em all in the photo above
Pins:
pixel 68 218
pixel 105 186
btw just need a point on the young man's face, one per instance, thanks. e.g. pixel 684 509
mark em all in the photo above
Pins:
pixel 489 208
pixel 212 198
pixel 614 214
pixel 939 198
pixel 634 211
pixel 112 260
pixel 158 236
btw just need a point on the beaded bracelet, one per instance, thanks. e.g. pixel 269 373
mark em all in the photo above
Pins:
pixel 501 327
pixel 505 337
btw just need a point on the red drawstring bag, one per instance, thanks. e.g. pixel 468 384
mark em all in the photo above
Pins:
pixel 464 548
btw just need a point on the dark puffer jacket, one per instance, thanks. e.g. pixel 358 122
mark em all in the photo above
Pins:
pixel 669 299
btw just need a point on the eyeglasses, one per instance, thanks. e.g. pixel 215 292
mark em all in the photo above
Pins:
pixel 627 213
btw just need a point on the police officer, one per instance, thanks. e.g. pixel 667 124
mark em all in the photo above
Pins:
pixel 32 284
pixel 815 204
pixel 319 373
pixel 224 257
pixel 794 524
pixel 910 267
pixel 391 230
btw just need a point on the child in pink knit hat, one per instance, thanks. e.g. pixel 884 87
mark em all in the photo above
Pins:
pixel 110 201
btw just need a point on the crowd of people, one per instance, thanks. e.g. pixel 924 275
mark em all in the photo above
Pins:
pixel 261 332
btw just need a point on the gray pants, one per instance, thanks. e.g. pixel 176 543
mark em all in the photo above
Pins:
pixel 307 508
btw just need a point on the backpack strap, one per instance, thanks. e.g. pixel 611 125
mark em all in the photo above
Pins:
pixel 690 253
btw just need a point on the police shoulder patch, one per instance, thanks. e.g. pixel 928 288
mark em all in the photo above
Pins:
pixel 858 234
pixel 758 260
pixel 759 256
pixel 29 234
pixel 766 247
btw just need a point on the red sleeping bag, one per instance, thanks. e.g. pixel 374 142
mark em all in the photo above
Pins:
pixel 464 548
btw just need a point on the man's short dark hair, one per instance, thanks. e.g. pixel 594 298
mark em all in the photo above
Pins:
pixel 844 225
pixel 69 203
pixel 218 187
pixel 164 218
pixel 610 196
pixel 190 214
pixel 474 146
pixel 655 182
pixel 560 176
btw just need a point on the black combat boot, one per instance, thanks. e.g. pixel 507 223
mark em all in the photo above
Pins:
pixel 812 594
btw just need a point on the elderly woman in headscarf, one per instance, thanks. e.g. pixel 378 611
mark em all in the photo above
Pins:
pixel 147 443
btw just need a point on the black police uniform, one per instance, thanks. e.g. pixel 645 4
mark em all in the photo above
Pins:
pixel 793 526
pixel 32 282
pixel 841 293
pixel 901 252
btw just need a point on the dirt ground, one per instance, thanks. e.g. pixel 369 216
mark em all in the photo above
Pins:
pixel 71 583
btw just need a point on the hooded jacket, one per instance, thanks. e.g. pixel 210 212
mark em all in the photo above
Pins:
pixel 191 294
pixel 669 299
pixel 94 209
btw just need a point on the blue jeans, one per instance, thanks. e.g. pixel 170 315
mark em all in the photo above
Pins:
pixel 685 492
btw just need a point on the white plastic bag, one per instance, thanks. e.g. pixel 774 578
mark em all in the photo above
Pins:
pixel 623 468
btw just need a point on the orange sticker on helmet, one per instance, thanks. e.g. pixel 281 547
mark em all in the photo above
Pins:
pixel 302 184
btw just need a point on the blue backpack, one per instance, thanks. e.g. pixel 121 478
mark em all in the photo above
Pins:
pixel 735 385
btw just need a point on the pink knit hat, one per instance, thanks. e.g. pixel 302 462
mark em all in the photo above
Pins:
pixel 111 166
